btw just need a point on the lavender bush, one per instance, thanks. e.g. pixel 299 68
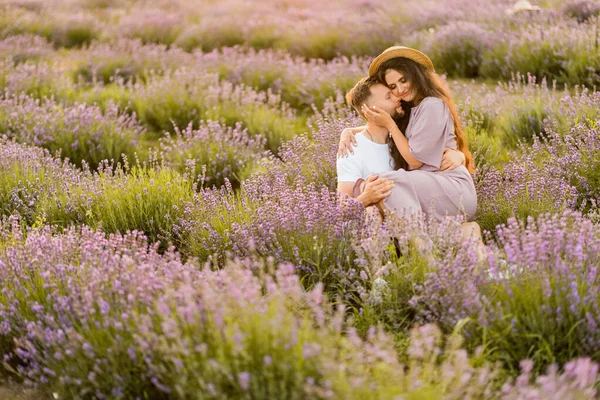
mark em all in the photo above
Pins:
pixel 74 322
pixel 213 153
pixel 124 59
pixel 63 28
pixel 40 188
pixel 263 219
pixel 141 198
pixel 301 83
pixel 263 216
pixel 151 25
pixel 557 42
pixel 39 80
pixel 21 48
pixel 183 96
pixel 581 10
pixel 43 189
pixel 498 119
pixel 549 176
pixel 541 303
pixel 457 48
pixel 144 301
pixel 523 188
pixel 82 133
pixel 392 262
pixel 563 51
pixel 143 325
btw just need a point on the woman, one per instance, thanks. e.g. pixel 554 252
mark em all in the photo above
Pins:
pixel 433 126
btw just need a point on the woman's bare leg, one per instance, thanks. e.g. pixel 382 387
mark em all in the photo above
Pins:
pixel 373 214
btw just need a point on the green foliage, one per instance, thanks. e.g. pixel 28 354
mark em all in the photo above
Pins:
pixel 524 122
pixel 176 105
pixel 106 72
pixel 275 126
pixel 212 154
pixel 582 66
pixel 161 113
pixel 74 36
pixel 216 213
pixel 316 44
pixel 388 300
pixel 545 314
pixel 144 199
pixel 103 96
pixel 529 199
pixel 208 38
pixel 543 60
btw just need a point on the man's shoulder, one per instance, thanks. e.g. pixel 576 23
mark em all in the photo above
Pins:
pixel 358 150
pixel 351 166
pixel 351 159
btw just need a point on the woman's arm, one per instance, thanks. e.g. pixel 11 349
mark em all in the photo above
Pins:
pixel 347 140
pixel 402 144
pixel 382 118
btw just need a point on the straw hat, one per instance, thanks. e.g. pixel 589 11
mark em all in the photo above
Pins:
pixel 400 51
pixel 522 5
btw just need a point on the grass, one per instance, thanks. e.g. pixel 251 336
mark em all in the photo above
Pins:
pixel 18 391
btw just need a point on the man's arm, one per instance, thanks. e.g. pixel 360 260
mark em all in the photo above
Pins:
pixel 345 188
pixel 375 189
pixel 452 159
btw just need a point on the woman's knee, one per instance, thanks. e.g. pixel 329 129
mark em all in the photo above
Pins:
pixel 471 230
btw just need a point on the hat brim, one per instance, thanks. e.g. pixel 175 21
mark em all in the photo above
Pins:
pixel 400 51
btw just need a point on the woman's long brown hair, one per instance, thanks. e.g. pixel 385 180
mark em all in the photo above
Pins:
pixel 402 122
pixel 429 84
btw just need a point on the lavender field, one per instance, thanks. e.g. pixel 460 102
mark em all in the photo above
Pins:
pixel 170 228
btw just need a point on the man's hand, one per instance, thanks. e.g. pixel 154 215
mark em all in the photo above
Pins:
pixel 375 189
pixel 451 159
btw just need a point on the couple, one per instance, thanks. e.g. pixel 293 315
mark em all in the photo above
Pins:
pixel 412 155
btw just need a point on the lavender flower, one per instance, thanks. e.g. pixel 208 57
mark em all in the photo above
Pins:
pixel 212 153
pixel 81 132
pixel 546 284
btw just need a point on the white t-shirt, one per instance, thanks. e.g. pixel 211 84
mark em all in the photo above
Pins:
pixel 369 158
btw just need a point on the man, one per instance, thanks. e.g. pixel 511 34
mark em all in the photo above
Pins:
pixel 372 155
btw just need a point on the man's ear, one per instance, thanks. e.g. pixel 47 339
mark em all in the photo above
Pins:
pixel 360 112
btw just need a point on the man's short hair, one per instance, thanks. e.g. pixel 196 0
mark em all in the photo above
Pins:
pixel 361 92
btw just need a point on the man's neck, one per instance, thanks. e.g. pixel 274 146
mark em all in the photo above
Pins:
pixel 379 134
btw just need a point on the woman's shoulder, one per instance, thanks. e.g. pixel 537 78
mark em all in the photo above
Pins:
pixel 430 105
pixel 431 102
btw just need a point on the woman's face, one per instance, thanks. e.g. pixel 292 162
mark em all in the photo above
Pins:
pixel 399 86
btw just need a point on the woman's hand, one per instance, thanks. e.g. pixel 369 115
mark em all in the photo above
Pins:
pixel 347 139
pixel 452 159
pixel 378 117
pixel 375 189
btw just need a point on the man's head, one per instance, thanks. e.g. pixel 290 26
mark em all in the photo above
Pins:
pixel 372 93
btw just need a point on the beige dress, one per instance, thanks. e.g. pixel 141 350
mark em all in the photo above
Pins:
pixel 437 194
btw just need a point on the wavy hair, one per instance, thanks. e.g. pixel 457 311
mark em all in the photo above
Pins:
pixel 429 84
